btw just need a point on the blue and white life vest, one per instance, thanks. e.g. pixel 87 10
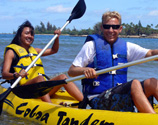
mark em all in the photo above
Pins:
pixel 106 56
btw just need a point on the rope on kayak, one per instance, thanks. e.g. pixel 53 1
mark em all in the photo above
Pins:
pixel 68 105
pixel 81 104
pixel 4 82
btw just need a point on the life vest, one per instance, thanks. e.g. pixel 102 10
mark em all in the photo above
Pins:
pixel 106 56
pixel 25 60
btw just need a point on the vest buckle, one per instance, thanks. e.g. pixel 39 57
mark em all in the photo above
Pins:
pixel 113 72
pixel 119 84
pixel 30 54
pixel 96 83
pixel 34 65
pixel 115 56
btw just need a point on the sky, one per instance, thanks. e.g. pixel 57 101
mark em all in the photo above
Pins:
pixel 14 12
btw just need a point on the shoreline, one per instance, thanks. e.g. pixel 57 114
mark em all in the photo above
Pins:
pixel 154 36
pixel 139 36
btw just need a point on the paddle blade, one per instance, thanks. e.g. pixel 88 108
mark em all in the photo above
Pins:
pixel 1 107
pixel 2 98
pixel 78 10
pixel 36 90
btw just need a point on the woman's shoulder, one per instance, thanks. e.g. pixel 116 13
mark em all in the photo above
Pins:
pixel 9 53
pixel 38 50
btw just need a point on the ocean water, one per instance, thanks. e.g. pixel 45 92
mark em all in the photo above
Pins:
pixel 61 61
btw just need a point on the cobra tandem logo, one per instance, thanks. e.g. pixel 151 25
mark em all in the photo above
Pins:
pixel 32 113
pixel 63 118
pixel 67 121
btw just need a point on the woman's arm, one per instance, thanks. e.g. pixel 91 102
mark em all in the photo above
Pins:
pixel 8 58
pixel 54 48
pixel 6 74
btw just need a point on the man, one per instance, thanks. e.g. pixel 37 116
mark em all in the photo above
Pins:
pixel 111 91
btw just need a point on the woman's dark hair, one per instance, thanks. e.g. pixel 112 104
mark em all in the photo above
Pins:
pixel 17 37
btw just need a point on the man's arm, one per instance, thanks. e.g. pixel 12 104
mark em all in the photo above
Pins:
pixel 76 71
pixel 152 53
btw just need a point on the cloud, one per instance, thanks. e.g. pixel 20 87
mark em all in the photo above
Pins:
pixel 24 0
pixel 6 17
pixel 153 13
pixel 58 9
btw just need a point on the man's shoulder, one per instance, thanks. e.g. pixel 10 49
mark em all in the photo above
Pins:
pixel 130 44
pixel 90 42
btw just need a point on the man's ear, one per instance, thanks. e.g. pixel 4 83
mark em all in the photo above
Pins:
pixel 120 29
pixel 101 26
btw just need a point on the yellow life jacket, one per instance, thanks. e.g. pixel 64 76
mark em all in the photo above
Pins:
pixel 25 60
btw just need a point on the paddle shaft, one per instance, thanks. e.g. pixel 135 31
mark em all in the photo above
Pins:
pixel 76 13
pixel 144 60
pixel 41 88
pixel 39 55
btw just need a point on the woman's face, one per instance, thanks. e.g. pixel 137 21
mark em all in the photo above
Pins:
pixel 27 37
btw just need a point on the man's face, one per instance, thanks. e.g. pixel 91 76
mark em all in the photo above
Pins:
pixel 111 30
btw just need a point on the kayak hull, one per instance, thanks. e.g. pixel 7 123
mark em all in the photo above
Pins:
pixel 46 113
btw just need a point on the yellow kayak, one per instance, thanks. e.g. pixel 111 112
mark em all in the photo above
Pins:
pixel 55 114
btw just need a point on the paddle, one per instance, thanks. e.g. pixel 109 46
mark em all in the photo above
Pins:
pixel 39 89
pixel 36 90
pixel 76 13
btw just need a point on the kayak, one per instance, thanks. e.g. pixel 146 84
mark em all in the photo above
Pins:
pixel 55 114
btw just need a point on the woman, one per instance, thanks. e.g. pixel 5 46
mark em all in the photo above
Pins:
pixel 19 54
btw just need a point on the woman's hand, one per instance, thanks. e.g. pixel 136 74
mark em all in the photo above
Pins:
pixel 22 73
pixel 57 32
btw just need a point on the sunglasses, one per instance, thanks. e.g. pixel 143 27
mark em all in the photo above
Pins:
pixel 106 26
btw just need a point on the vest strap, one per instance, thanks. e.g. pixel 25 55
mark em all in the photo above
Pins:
pixel 114 72
pixel 44 75
pixel 28 55
pixel 115 56
pixel 24 67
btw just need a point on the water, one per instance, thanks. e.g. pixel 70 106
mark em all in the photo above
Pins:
pixel 60 62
